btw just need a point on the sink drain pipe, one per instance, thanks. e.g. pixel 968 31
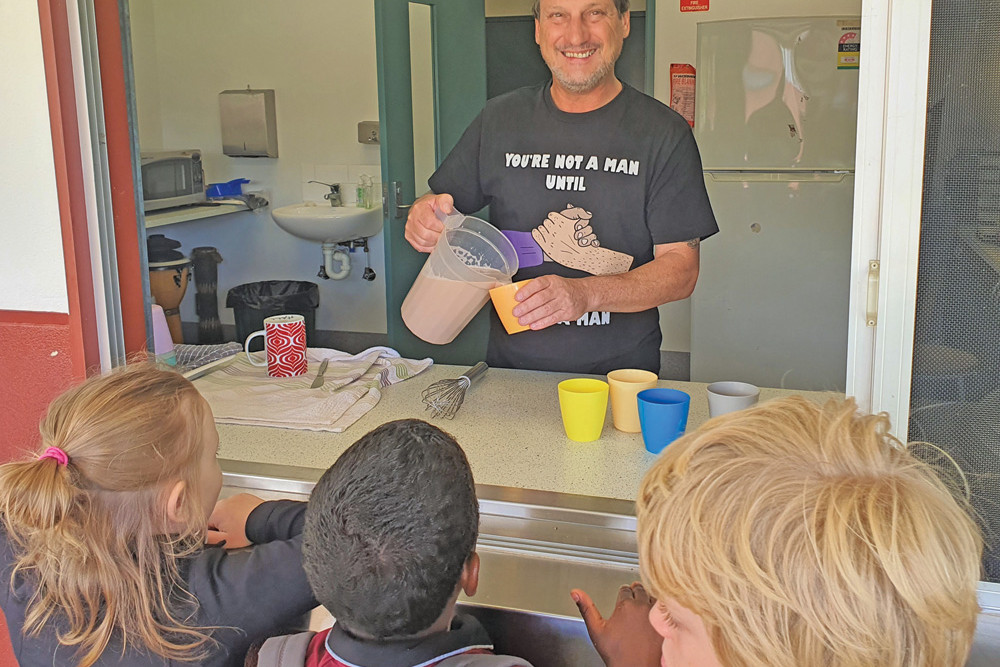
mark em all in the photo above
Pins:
pixel 334 252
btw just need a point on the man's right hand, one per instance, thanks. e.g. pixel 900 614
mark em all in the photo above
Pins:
pixel 423 227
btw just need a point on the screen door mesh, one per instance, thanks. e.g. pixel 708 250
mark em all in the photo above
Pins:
pixel 955 391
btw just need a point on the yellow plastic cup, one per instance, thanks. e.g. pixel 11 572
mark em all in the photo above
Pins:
pixel 584 405
pixel 625 383
pixel 504 302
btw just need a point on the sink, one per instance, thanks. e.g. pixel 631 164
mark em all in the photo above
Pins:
pixel 323 223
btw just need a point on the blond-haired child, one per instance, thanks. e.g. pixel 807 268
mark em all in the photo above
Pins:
pixel 795 534
pixel 102 534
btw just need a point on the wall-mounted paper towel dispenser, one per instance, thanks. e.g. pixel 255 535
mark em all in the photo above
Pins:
pixel 249 128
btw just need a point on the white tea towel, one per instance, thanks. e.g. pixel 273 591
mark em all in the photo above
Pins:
pixel 241 393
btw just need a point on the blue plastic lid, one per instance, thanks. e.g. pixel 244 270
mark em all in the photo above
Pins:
pixel 233 188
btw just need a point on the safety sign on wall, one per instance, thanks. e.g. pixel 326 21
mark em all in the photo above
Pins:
pixel 682 82
pixel 694 5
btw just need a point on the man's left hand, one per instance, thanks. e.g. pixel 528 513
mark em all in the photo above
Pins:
pixel 550 299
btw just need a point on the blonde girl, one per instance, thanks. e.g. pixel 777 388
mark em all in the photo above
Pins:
pixel 102 535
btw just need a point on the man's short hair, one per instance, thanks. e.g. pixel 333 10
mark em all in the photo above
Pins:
pixel 620 5
pixel 389 529
pixel 806 534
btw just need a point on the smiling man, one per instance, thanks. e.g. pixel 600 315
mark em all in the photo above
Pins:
pixel 598 187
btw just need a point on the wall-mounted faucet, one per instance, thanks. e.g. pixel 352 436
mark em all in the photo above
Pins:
pixel 333 196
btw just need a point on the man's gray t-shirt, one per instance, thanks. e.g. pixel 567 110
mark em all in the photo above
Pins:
pixel 628 173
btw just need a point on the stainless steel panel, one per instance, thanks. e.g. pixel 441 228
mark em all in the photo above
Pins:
pixel 535 546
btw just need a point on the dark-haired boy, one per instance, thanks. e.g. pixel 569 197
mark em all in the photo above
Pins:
pixel 389 543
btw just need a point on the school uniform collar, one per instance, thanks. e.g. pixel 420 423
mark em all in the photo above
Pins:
pixel 466 634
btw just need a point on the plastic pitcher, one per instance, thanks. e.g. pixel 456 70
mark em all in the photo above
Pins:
pixel 471 258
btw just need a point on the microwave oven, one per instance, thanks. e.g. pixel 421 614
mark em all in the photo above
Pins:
pixel 171 178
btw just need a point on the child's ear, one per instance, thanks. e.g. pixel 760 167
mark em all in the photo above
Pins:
pixel 175 502
pixel 470 575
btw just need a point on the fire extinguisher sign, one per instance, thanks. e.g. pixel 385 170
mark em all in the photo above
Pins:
pixel 694 5
pixel 849 46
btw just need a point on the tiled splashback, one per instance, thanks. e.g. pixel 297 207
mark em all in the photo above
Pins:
pixel 348 175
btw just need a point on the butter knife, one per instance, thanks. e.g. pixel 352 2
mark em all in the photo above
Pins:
pixel 318 382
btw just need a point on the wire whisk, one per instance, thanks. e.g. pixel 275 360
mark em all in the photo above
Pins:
pixel 444 397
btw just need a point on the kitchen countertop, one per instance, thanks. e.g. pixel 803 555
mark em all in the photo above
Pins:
pixel 509 427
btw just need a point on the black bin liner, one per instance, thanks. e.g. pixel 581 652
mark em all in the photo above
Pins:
pixel 252 302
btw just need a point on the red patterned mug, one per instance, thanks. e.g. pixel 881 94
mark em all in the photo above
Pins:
pixel 285 345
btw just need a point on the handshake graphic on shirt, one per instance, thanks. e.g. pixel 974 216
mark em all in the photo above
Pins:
pixel 567 238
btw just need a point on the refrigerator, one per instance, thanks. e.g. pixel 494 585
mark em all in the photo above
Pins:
pixel 776 107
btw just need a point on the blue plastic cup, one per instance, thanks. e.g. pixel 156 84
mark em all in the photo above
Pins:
pixel 663 416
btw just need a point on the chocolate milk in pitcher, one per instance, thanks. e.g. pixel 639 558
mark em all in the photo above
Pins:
pixel 471 258
pixel 437 309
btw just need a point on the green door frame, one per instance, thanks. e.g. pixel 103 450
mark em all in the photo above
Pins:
pixel 458 36
pixel 650 45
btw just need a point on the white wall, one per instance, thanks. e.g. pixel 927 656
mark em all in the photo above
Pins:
pixel 31 256
pixel 319 57
pixel 676 42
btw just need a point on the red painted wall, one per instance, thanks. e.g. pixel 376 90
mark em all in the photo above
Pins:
pixel 6 652
pixel 35 366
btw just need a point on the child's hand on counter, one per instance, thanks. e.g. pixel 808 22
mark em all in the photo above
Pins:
pixel 626 639
pixel 227 525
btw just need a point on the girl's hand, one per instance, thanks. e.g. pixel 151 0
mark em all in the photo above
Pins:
pixel 227 525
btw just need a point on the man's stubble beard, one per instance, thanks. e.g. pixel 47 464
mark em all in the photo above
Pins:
pixel 591 82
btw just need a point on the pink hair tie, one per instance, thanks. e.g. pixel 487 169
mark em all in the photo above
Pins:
pixel 55 453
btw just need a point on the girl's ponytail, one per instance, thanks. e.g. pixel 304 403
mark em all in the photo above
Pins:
pixel 36 496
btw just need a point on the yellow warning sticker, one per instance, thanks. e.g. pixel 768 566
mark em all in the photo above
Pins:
pixel 849 45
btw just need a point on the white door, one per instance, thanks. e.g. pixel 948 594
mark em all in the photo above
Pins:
pixel 891 118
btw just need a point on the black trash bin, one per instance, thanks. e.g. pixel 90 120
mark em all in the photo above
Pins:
pixel 252 302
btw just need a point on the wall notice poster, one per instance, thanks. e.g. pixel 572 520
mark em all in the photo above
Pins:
pixel 682 82
pixel 694 5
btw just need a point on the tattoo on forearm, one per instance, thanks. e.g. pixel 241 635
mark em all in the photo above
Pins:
pixel 694 243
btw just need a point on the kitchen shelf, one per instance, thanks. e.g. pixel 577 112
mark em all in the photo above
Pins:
pixel 171 216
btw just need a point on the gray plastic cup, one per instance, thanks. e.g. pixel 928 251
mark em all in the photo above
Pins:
pixel 726 397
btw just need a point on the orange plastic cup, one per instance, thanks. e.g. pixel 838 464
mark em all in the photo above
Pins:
pixel 625 384
pixel 504 302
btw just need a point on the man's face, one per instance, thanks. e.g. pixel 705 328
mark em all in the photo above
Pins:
pixel 580 41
